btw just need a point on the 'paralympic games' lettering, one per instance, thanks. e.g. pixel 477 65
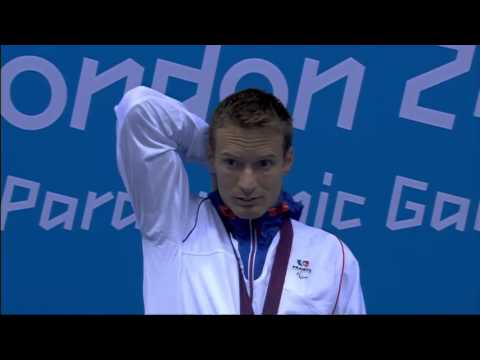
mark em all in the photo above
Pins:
pixel 342 200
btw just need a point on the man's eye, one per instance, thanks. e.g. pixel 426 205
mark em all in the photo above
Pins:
pixel 266 163
pixel 230 162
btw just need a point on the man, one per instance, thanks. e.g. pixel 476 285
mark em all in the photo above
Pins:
pixel 241 250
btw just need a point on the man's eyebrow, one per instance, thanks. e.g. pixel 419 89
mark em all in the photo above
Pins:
pixel 266 156
pixel 227 154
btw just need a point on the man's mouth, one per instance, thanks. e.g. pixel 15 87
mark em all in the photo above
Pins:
pixel 245 200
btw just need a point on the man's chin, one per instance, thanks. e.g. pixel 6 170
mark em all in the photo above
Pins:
pixel 248 214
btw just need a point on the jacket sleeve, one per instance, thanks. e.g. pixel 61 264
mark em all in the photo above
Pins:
pixel 155 134
pixel 350 297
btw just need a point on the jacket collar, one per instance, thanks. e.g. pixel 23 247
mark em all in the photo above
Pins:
pixel 266 225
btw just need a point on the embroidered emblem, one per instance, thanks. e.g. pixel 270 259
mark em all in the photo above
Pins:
pixel 303 268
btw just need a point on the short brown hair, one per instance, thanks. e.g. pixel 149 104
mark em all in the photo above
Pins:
pixel 252 108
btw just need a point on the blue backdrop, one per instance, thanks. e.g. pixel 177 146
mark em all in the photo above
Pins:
pixel 387 145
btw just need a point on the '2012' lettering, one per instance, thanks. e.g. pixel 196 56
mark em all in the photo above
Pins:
pixel 311 82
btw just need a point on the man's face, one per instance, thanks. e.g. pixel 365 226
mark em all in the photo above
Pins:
pixel 249 166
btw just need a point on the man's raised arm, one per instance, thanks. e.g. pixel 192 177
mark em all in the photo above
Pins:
pixel 154 134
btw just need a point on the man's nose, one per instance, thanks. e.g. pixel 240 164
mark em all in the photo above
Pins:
pixel 247 182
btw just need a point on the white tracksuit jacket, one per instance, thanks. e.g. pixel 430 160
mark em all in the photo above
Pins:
pixel 155 135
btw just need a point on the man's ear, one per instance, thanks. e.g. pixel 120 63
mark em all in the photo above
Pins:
pixel 287 161
pixel 210 159
pixel 211 168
